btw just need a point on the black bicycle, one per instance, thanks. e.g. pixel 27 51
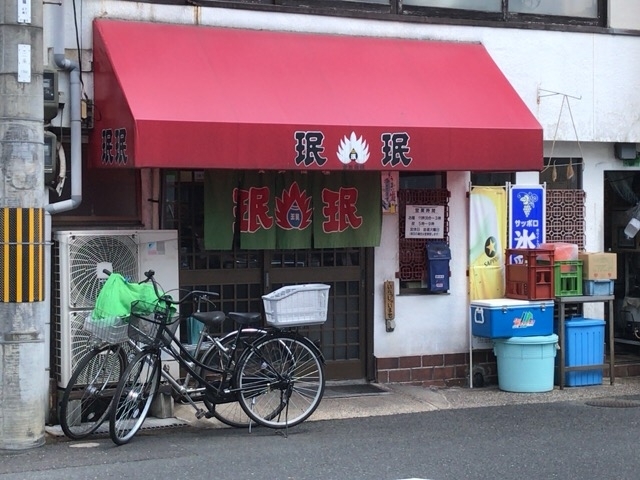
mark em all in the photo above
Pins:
pixel 88 396
pixel 276 375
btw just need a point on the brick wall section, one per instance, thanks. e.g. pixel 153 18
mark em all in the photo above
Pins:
pixel 452 370
pixel 624 370
pixel 445 370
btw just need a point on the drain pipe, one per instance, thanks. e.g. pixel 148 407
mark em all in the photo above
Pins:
pixel 75 97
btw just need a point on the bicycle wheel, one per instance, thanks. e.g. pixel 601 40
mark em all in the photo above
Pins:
pixel 88 396
pixel 228 412
pixel 280 380
pixel 135 393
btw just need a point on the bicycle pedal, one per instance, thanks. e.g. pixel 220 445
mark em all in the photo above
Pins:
pixel 201 413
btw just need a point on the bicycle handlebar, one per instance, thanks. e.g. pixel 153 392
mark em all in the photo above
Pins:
pixel 201 295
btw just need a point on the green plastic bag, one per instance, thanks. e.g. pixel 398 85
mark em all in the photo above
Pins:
pixel 116 297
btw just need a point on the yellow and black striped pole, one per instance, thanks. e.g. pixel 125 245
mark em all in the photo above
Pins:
pixel 22 256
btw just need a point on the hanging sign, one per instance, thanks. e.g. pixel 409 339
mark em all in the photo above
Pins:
pixel 424 221
pixel 389 192
pixel 527 216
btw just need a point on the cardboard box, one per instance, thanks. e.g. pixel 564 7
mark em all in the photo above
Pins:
pixel 599 266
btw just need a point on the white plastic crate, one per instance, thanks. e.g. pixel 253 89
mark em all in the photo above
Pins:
pixel 296 305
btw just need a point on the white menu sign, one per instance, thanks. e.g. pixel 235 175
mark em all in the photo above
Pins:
pixel 424 221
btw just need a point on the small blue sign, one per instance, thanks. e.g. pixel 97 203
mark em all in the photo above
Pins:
pixel 527 216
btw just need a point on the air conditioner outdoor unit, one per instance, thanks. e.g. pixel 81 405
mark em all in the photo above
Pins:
pixel 78 263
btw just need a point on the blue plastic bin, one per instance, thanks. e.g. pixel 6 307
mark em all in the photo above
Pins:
pixel 526 364
pixel 584 345
pixel 194 327
pixel 598 287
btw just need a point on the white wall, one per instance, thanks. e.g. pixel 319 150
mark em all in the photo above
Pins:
pixel 426 323
pixel 600 69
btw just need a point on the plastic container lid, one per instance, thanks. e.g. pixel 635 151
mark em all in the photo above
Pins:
pixel 583 322
pixel 508 302
pixel 538 339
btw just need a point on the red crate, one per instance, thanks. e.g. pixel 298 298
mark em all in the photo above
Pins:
pixel 529 274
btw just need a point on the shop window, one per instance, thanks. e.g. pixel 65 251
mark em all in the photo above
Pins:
pixel 564 8
pixel 490 179
pixel 485 6
pixel 562 173
pixel 528 13
pixel 531 12
pixel 183 210
pixel 421 189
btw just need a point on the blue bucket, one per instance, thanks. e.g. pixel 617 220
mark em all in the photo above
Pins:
pixel 194 327
pixel 526 364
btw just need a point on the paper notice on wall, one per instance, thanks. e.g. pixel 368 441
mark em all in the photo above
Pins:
pixel 424 221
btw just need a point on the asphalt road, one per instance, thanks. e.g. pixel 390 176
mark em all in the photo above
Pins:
pixel 561 440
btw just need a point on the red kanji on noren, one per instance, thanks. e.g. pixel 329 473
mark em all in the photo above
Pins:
pixel 340 210
pixel 254 209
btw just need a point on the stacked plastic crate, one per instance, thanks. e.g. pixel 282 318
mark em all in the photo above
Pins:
pixel 599 272
pixel 530 274
pixel 521 325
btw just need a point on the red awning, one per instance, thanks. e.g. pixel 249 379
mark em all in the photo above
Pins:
pixel 200 97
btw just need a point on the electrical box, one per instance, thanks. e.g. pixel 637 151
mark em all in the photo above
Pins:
pixel 50 157
pixel 50 87
pixel 625 151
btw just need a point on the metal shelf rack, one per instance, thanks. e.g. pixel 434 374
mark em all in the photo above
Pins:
pixel 561 303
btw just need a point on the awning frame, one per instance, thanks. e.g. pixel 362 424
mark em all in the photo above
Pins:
pixel 230 98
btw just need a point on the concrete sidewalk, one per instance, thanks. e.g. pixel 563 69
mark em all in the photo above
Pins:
pixel 399 398
pixel 407 399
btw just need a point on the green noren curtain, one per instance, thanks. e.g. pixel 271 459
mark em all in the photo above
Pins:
pixel 348 210
pixel 292 210
pixel 219 211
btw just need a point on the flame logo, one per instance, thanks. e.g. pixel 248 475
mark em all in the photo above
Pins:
pixel 293 209
pixel 353 149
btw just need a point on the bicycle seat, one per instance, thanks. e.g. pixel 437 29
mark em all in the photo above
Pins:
pixel 249 318
pixel 210 319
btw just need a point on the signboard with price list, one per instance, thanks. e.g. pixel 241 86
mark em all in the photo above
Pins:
pixel 424 221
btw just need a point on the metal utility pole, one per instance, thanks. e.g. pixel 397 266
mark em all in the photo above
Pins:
pixel 22 197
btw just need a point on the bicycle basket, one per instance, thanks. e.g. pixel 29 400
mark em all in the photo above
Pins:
pixel 297 305
pixel 108 329
pixel 147 322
